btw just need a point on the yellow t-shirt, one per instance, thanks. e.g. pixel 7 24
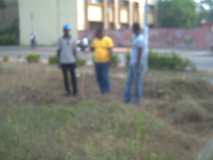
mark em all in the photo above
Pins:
pixel 101 49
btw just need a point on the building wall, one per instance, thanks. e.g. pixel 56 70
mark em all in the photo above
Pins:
pixel 45 19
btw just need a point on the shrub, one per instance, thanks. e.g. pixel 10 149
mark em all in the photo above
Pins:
pixel 53 60
pixel 170 61
pixel 80 62
pixel 9 33
pixel 115 60
pixel 33 58
pixel 8 39
pixel 5 58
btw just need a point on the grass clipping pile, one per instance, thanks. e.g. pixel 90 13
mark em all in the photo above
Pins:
pixel 38 122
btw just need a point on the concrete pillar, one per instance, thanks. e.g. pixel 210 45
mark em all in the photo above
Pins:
pixel 130 12
pixel 105 13
pixel 117 13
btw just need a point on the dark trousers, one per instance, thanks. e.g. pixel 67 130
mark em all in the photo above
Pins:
pixel 102 77
pixel 66 70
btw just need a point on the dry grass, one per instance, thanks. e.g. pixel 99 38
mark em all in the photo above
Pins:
pixel 38 122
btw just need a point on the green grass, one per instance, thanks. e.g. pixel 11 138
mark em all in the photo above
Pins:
pixel 88 130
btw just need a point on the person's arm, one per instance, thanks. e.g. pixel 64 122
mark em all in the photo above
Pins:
pixel 59 50
pixel 139 55
pixel 92 46
pixel 74 48
pixel 110 53
pixel 75 52
pixel 110 50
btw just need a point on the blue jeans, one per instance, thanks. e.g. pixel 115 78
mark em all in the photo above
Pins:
pixel 134 85
pixel 102 77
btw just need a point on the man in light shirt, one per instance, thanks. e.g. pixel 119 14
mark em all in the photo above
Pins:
pixel 135 80
pixel 67 60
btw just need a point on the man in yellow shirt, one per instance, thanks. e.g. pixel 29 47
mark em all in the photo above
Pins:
pixel 102 48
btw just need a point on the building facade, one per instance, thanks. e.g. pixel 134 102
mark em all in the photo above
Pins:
pixel 45 18
pixel 113 14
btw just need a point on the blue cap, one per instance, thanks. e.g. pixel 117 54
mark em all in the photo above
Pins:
pixel 67 27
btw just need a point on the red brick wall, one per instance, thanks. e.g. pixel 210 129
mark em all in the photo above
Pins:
pixel 198 38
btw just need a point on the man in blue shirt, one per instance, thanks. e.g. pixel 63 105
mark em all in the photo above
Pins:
pixel 134 84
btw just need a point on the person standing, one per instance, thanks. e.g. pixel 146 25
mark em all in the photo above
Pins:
pixel 102 47
pixel 134 85
pixel 33 40
pixel 67 60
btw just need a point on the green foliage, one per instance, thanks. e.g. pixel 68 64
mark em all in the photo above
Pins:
pixel 170 61
pixel 2 4
pixel 80 62
pixel 206 14
pixel 9 34
pixel 177 13
pixel 115 60
pixel 5 58
pixel 8 39
pixel 33 58
pixel 53 60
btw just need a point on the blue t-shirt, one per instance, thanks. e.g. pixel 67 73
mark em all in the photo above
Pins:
pixel 137 42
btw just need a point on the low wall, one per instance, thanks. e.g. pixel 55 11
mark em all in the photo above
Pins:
pixel 197 38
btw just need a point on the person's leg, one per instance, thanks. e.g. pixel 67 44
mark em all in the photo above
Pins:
pixel 74 79
pixel 128 87
pixel 98 70
pixel 65 76
pixel 139 84
pixel 106 81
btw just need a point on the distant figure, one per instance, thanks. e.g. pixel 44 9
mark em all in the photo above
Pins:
pixel 83 44
pixel 102 47
pixel 32 40
pixel 135 80
pixel 67 60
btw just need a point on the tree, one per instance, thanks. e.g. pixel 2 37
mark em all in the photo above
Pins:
pixel 177 13
pixel 206 10
pixel 2 8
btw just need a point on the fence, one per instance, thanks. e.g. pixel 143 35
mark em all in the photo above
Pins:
pixel 197 38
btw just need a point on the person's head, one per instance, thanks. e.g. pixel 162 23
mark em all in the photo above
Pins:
pixel 66 30
pixel 136 28
pixel 99 33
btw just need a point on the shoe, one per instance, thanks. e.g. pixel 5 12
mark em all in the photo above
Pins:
pixel 67 94
pixel 75 94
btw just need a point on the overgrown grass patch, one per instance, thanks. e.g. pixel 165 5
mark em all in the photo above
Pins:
pixel 38 122
pixel 53 60
pixel 89 130
pixel 33 58
pixel 6 59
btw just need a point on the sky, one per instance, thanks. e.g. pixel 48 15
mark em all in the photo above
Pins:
pixel 205 6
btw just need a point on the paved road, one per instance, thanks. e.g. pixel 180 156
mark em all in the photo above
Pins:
pixel 202 59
